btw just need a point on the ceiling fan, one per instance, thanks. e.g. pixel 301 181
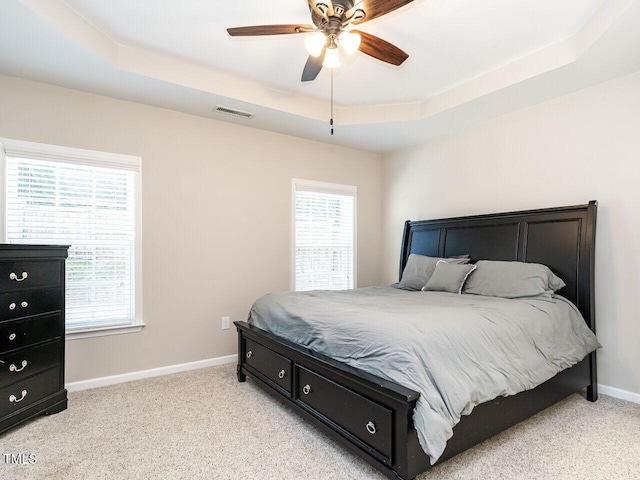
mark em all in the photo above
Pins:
pixel 330 19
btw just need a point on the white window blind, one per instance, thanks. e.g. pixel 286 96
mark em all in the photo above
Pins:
pixel 324 243
pixel 91 206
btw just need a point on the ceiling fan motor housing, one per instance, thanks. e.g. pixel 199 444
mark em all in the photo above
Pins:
pixel 322 15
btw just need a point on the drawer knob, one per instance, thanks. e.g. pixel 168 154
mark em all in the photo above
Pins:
pixel 306 389
pixel 24 304
pixel 14 399
pixel 12 306
pixel 13 368
pixel 281 374
pixel 371 428
pixel 13 276
pixel 12 336
pixel 249 354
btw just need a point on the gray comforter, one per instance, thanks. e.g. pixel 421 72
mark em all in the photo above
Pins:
pixel 456 350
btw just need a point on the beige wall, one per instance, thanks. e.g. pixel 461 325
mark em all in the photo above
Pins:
pixel 217 221
pixel 584 146
pixel 216 215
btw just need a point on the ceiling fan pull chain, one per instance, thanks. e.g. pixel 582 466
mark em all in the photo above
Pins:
pixel 331 121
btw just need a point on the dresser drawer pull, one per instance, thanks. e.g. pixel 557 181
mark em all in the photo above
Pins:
pixel 13 276
pixel 306 389
pixel 249 354
pixel 371 428
pixel 281 374
pixel 12 336
pixel 12 306
pixel 13 368
pixel 13 398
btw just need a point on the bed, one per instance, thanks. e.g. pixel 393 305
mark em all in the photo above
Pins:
pixel 373 416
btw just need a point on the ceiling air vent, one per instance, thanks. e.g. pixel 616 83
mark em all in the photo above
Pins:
pixel 231 111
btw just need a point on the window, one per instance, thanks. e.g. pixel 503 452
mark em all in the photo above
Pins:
pixel 324 238
pixel 90 201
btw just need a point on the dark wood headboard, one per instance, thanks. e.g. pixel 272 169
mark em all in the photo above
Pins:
pixel 561 238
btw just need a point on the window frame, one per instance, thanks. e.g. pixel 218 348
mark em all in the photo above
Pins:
pixel 90 158
pixel 330 188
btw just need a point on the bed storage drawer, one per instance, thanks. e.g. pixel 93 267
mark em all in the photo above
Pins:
pixel 356 415
pixel 270 364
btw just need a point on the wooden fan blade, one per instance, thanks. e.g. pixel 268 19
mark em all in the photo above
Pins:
pixel 268 30
pixel 375 8
pixel 381 49
pixel 312 67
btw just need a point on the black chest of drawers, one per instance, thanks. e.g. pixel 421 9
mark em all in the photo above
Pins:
pixel 31 332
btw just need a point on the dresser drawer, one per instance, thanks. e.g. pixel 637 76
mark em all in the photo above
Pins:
pixel 28 331
pixel 19 275
pixel 22 394
pixel 29 361
pixel 358 416
pixel 269 363
pixel 29 302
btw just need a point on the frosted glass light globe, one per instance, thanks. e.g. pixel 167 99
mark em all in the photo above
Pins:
pixel 315 43
pixel 350 42
pixel 331 58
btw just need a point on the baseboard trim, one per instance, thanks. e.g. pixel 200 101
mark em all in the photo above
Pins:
pixel 619 393
pixel 154 372
pixel 212 362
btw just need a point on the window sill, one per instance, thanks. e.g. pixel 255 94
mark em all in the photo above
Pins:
pixel 104 331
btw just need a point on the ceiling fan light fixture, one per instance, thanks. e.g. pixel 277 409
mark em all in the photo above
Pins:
pixel 315 43
pixel 331 58
pixel 330 19
pixel 350 42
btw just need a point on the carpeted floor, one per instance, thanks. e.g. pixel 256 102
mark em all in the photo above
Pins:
pixel 203 424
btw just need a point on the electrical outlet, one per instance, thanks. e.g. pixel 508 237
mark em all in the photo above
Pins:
pixel 226 323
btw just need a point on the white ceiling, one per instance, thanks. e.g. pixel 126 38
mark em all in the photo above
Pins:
pixel 469 61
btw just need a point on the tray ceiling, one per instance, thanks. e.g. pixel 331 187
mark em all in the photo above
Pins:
pixel 469 61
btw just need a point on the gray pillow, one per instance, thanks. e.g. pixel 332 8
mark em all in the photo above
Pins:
pixel 448 277
pixel 512 280
pixel 419 269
